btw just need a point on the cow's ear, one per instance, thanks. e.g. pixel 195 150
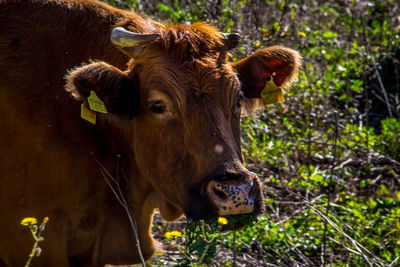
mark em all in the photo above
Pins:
pixel 111 85
pixel 280 63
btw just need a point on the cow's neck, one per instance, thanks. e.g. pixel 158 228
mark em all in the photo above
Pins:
pixel 82 33
pixel 119 160
pixel 92 36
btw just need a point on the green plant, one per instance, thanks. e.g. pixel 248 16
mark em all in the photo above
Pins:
pixel 36 232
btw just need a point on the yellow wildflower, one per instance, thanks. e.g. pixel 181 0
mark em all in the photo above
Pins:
pixel 303 34
pixel 222 221
pixel 29 221
pixel 46 219
pixel 173 234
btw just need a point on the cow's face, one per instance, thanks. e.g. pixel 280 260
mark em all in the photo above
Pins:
pixel 188 138
pixel 184 101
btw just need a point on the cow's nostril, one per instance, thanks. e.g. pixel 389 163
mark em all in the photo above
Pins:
pixel 219 193
pixel 231 197
pixel 216 193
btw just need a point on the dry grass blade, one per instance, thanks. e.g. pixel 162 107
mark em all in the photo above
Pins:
pixel 360 248
pixel 124 201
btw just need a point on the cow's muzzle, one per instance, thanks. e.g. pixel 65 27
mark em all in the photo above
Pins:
pixel 231 197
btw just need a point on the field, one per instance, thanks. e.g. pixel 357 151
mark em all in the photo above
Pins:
pixel 328 157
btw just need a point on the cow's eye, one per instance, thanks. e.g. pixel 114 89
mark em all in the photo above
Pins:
pixel 157 107
pixel 238 107
pixel 238 103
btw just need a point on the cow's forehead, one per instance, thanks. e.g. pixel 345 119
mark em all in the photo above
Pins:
pixel 189 79
pixel 187 43
pixel 187 61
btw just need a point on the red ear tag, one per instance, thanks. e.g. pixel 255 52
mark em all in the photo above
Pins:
pixel 271 94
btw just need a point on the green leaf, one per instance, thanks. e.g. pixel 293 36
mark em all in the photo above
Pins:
pixel 329 35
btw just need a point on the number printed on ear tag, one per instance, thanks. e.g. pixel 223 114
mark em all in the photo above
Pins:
pixel 96 104
pixel 271 94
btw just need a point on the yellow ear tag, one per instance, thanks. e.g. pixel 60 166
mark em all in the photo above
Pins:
pixel 87 114
pixel 271 94
pixel 96 104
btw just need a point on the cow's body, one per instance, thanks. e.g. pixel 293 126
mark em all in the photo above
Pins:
pixel 48 152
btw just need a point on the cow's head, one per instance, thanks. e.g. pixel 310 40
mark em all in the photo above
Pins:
pixel 181 100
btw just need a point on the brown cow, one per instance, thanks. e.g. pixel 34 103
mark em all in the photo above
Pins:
pixel 171 132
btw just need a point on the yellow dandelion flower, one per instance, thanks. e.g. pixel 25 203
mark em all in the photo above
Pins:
pixel 222 221
pixel 173 234
pixel 29 221
pixel 46 219
pixel 257 44
pixel 303 34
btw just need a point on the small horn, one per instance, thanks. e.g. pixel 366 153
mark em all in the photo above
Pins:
pixel 231 40
pixel 123 38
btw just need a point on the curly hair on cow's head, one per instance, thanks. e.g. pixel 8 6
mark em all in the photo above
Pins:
pixel 189 42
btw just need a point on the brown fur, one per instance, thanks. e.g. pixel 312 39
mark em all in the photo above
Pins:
pixel 203 41
pixel 46 163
